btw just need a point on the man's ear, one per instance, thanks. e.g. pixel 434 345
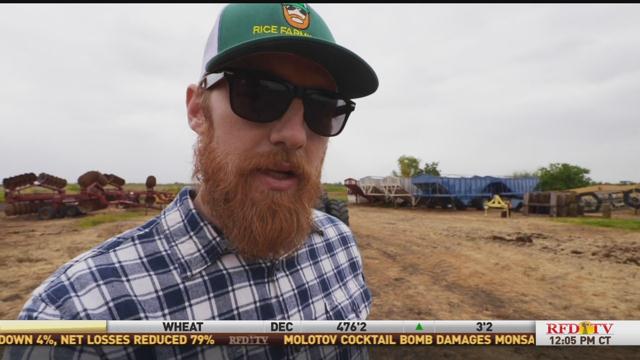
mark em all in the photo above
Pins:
pixel 195 114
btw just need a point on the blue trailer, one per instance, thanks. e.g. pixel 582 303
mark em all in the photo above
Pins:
pixel 463 192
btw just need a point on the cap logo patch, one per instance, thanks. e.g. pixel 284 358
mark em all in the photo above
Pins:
pixel 297 15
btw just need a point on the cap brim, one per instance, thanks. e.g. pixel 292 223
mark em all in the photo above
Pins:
pixel 353 76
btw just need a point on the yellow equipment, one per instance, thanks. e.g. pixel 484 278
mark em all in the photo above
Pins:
pixel 498 203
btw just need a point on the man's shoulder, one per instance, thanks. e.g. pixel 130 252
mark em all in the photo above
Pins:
pixel 336 237
pixel 324 222
pixel 117 250
pixel 84 276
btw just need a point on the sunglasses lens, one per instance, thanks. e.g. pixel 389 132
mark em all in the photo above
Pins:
pixel 258 100
pixel 324 114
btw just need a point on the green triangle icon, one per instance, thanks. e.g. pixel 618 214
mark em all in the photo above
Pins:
pixel 419 327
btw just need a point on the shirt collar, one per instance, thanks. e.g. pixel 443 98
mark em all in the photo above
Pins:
pixel 194 242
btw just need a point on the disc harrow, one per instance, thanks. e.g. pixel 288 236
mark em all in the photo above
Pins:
pixel 90 178
pixel 114 180
pixel 97 191
pixel 14 182
pixel 50 180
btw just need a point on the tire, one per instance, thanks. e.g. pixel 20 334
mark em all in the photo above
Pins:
pixel 29 208
pixel 322 202
pixel 46 212
pixel 60 212
pixel 21 208
pixel 459 205
pixel 589 206
pixel 632 198
pixel 338 209
pixel 71 211
pixel 431 203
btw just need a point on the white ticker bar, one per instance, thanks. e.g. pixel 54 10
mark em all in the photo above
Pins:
pixel 298 326
pixel 485 326
pixel 211 326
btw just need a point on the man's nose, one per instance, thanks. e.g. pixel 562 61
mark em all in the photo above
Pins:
pixel 290 130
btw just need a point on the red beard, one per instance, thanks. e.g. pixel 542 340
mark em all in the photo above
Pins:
pixel 259 223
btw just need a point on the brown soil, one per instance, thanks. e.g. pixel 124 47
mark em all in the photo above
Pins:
pixel 419 264
pixel 463 265
pixel 31 250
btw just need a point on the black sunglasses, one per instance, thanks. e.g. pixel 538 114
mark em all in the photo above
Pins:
pixel 292 8
pixel 261 97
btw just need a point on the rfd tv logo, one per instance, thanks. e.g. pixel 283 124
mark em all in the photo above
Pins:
pixel 582 328
pixel 589 333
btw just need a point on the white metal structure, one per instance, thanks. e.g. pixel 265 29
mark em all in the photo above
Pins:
pixel 372 186
pixel 399 189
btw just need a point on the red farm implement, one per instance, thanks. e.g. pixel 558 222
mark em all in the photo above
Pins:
pixel 46 196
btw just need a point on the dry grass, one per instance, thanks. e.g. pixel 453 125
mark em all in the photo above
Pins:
pixel 625 224
pixel 335 191
pixel 95 220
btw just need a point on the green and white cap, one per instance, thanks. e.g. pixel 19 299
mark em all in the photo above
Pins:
pixel 243 29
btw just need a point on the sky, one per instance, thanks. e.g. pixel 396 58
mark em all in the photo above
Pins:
pixel 481 89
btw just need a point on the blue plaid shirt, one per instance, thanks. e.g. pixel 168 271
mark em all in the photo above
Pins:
pixel 178 267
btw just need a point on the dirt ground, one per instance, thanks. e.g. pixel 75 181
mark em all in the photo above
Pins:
pixel 31 250
pixel 419 264
pixel 461 265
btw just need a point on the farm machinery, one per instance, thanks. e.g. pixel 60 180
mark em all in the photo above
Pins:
pixel 334 207
pixel 46 196
pixel 592 198
pixel 445 192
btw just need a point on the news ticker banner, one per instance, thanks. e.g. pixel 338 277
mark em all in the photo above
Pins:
pixel 375 332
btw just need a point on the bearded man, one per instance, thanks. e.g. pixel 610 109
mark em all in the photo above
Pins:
pixel 246 243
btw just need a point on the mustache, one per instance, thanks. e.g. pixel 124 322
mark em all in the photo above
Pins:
pixel 278 160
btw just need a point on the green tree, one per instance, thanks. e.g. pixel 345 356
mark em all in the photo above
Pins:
pixel 523 174
pixel 431 168
pixel 409 166
pixel 563 176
